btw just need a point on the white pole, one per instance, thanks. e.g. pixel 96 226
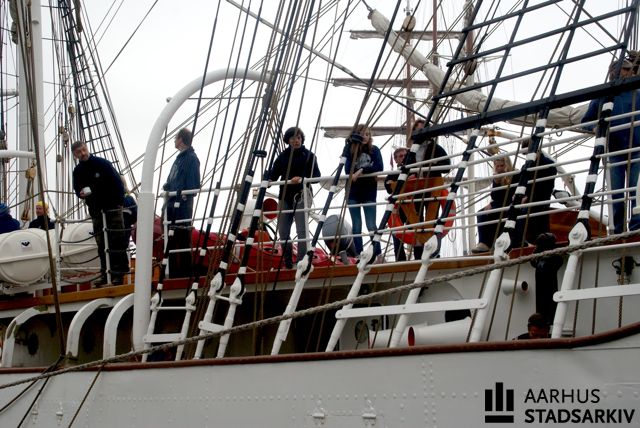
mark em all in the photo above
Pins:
pixel 146 196
pixel 24 135
pixel 577 236
pixel 25 132
pixel 499 255
pixel 403 320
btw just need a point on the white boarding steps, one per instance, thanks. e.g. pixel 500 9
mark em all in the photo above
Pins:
pixel 152 338
pixel 207 326
pixel 398 335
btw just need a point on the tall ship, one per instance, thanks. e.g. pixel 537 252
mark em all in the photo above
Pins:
pixel 461 175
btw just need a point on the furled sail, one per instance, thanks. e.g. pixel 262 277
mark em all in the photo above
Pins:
pixel 473 100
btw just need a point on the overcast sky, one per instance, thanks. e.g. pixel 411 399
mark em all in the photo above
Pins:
pixel 170 48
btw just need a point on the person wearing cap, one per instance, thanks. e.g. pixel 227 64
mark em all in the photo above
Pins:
pixel 184 175
pixel 292 165
pixel 7 222
pixel 42 220
pixel 625 167
pixel 97 182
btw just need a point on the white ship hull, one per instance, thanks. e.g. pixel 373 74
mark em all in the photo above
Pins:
pixel 594 379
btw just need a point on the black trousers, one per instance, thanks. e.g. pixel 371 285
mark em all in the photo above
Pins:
pixel 118 260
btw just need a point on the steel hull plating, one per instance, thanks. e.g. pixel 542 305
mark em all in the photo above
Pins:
pixel 582 381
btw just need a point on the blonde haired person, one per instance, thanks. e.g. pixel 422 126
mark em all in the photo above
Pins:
pixel 42 219
pixel 364 158
pixel 501 195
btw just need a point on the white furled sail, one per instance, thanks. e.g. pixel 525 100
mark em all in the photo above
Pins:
pixel 473 100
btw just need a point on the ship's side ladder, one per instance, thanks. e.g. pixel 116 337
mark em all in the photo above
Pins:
pixel 208 326
pixel 157 300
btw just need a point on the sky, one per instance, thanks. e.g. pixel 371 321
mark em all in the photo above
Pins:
pixel 170 49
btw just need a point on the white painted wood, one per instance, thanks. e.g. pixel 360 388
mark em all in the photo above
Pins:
pixel 597 293
pixel 411 309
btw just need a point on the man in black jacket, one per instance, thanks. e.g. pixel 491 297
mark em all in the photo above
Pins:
pixel 293 164
pixel 97 182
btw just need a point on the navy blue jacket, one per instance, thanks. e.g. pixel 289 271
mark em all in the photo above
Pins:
pixel 8 223
pixel 622 103
pixel 303 164
pixel 184 175
pixel 38 223
pixel 364 189
pixel 107 190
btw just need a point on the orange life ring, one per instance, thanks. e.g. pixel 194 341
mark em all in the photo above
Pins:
pixel 408 207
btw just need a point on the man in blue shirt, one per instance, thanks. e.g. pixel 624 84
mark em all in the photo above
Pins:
pixel 624 167
pixel 184 175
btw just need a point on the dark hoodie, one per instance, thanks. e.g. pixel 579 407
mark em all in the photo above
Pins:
pixel 303 164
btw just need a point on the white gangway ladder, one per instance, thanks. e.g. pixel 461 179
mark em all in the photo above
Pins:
pixel 189 307
pixel 207 325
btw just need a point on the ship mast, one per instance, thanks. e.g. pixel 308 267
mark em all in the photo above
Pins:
pixel 409 25
pixel 408 84
pixel 30 93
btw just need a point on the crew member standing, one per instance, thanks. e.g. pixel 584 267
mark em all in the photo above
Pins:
pixel 97 182
pixel 622 146
pixel 293 165
pixel 184 175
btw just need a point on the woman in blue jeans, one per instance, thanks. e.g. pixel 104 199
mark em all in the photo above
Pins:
pixel 362 157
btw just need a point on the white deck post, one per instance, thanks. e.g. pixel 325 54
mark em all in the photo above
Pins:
pixel 499 255
pixel 577 236
pixel 398 331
